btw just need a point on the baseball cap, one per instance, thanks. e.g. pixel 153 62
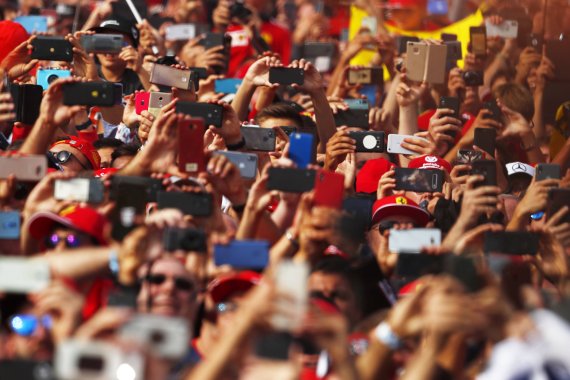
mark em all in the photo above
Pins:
pixel 13 34
pixel 401 4
pixel 368 177
pixel 105 171
pixel 223 287
pixel 118 25
pixel 85 148
pixel 430 162
pixel 519 168
pixel 399 205
pixel 82 219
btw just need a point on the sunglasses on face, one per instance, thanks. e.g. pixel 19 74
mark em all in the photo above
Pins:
pixel 27 324
pixel 64 156
pixel 71 241
pixel 180 283
pixel 385 225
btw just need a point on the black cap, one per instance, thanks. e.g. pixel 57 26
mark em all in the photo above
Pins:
pixel 117 25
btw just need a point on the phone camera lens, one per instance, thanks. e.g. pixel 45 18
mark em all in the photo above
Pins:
pixel 51 78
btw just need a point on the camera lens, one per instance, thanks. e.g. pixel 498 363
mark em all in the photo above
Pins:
pixel 52 78
pixel 157 337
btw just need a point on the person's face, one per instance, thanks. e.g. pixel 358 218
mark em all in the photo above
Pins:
pixel 169 290
pixel 374 235
pixel 36 346
pixel 105 154
pixel 121 162
pixel 226 312
pixel 61 239
pixel 338 289
pixel 408 18
pixel 76 163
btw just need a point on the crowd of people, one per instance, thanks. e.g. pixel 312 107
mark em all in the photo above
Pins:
pixel 283 190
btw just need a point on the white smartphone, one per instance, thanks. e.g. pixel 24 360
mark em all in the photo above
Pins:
pixel 291 281
pixel 180 32
pixel 79 190
pixel 29 168
pixel 23 275
pixel 506 29
pixel 413 240
pixel 394 145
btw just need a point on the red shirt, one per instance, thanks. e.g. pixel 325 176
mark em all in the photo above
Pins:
pixel 279 40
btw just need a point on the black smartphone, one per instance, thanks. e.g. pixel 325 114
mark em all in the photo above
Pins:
pixel 274 345
pixel 196 204
pixel 26 369
pixel 496 115
pixel 211 40
pixel 448 37
pixel 47 48
pixel 402 43
pixel 201 72
pixel 473 78
pixel 291 180
pixel 485 139
pixel 535 41
pixel 129 209
pixel 27 99
pixel 102 43
pixel 211 113
pixel 289 130
pixel 558 198
pixel 419 180
pixel 352 118
pixel 547 171
pixel 258 139
pixel 413 265
pixel 486 168
pixel 104 94
pixel 186 239
pixel 122 296
pixel 369 141
pixel 151 185
pixel 511 242
pixel 286 75
pixel 452 103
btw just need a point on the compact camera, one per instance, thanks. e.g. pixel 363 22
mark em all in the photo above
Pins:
pixel 45 77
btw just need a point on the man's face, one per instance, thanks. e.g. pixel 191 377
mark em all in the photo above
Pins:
pixel 63 238
pixel 338 289
pixel 374 236
pixel 169 290
pixel 105 154
pixel 36 346
pixel 76 162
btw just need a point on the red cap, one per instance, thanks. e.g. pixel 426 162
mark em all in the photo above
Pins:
pixel 368 177
pixel 333 250
pixel 85 148
pixel 82 219
pixel 105 171
pixel 430 162
pixel 223 287
pixel 13 34
pixel 399 205
pixel 401 4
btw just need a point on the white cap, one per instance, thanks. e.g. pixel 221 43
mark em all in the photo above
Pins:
pixel 519 167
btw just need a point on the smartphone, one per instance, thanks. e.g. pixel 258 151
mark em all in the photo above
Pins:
pixel 196 204
pixel 320 54
pixel 452 103
pixel 395 141
pixel 478 37
pixel 274 345
pixel 33 24
pixel 366 75
pixel 23 275
pixel 546 171
pixel 181 32
pixel 211 113
pixel 142 101
pixel 426 63
pixel 454 52
pixel 446 37
pixel 301 149
pixel 291 180
pixel 45 77
pixel 496 113
pixel 437 7
pixel 104 94
pixel 245 162
pixel 47 48
pixel 557 52
pixel 291 280
pixel 27 99
pixel 90 190
pixel 129 210
pixel 191 157
pixel 157 100
pixel 352 118
pixel 402 43
pixel 536 42
pixel 368 141
pixel 258 139
pixel 243 254
pixel 9 224
pixel 103 43
pixel 357 104
pixel 163 75
pixel 28 168
pixel 211 40
pixel 227 85
pixel 289 130
pixel 419 180
pixel 360 206
pixel 506 29
pixel 329 189
pixel 185 239
pixel 467 156
pixel 558 198
pixel 511 242
pixel 485 139
pixel 486 168
pixel 151 186
pixel 26 369
pixel 201 72
pixel 412 265
pixel 413 240
pixel 286 75
pixel 473 78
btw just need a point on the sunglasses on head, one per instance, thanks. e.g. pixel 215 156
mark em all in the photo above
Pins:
pixel 179 282
pixel 64 156
pixel 71 241
pixel 27 324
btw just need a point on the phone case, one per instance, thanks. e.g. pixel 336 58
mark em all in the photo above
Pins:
pixel 246 162
pixel 171 77
pixel 52 49
pixel 413 240
pixel 478 40
pixel 419 180
pixel 558 198
pixel 329 189
pixel 291 180
pixel 89 190
pixel 103 43
pixel 486 168
pixel 29 168
pixel 352 118
pixel 27 99
pixel 511 242
pixel 227 86
pixel 485 139
pixel 286 75
pixel 142 101
pixel 157 100
pixel 211 113
pixel 44 77
pixel 104 94
pixel 368 141
pixel 191 157
pixel 301 149
pixel 9 224
pixel 546 171
pixel 243 254
pixel 259 139
pixel 33 24
pixel 196 204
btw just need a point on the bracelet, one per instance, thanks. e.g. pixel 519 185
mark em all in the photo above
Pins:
pixel 237 146
pixel 294 242
pixel 114 263
pixel 385 335
pixel 84 126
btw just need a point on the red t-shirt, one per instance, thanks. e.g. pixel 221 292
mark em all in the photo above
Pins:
pixel 279 40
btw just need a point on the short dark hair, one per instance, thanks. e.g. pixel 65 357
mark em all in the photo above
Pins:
pixel 279 111
pixel 124 150
pixel 108 142
pixel 336 265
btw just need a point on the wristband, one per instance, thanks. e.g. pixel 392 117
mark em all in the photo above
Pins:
pixel 294 242
pixel 114 263
pixel 237 146
pixel 84 126
pixel 386 336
